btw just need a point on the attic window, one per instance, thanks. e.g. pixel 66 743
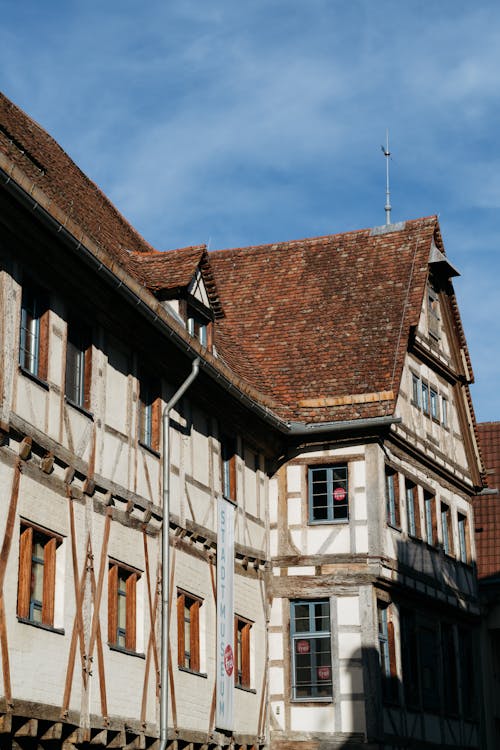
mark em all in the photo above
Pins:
pixel 199 326
pixel 433 319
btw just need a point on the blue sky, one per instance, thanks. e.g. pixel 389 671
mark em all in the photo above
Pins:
pixel 258 121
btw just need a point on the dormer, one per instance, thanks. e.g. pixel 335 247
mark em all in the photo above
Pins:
pixel 183 281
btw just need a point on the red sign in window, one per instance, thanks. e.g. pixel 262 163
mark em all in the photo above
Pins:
pixel 323 673
pixel 303 647
pixel 339 494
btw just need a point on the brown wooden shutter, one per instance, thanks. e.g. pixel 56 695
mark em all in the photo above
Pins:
pixel 245 655
pixel 450 531
pixel 467 540
pixel 43 346
pixel 24 581
pixel 87 377
pixel 112 604
pixel 232 477
pixel 180 630
pixel 195 636
pixel 155 423
pixel 49 581
pixel 434 521
pixel 131 617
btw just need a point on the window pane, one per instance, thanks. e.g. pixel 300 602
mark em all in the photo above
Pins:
pixel 302 618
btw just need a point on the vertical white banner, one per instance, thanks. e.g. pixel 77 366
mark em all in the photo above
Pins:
pixel 225 615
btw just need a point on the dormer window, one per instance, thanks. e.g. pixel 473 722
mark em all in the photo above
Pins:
pixel 433 319
pixel 199 326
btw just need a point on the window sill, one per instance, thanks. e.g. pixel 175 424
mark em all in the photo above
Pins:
pixel 312 701
pixel 34 378
pixel 330 522
pixel 193 672
pixel 79 408
pixel 149 449
pixel 393 526
pixel 41 626
pixel 128 652
pixel 229 499
pixel 245 689
pixel 414 538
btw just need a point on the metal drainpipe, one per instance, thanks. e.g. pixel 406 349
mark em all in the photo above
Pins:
pixel 165 553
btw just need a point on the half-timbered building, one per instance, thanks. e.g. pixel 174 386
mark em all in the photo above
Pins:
pixel 292 421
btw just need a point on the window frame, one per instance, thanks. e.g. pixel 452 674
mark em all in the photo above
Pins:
pixel 392 497
pixel 433 319
pixel 228 450
pixel 464 551
pixel 199 325
pixel 242 636
pixel 192 656
pixel 446 529
pixel 331 502
pixel 34 328
pixel 297 636
pixel 412 509
pixel 117 630
pixel 30 535
pixel 430 518
pixel 80 355
pixel 387 652
pixel 149 412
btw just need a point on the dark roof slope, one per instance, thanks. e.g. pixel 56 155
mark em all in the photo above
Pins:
pixel 41 159
pixel 487 507
pixel 325 321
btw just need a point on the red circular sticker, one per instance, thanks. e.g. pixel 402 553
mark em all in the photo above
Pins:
pixel 339 494
pixel 323 673
pixel 303 647
pixel 228 660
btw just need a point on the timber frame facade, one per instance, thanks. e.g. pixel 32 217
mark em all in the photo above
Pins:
pixel 331 411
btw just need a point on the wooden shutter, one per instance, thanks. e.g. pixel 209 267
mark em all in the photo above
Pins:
pixel 396 499
pixel 24 581
pixel 195 636
pixel 180 630
pixel 131 618
pixel 49 581
pixel 155 423
pixel 245 655
pixel 43 346
pixel 416 510
pixel 232 477
pixel 112 604
pixel 434 521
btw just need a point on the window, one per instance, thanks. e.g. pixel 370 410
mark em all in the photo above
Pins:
pixel 463 538
pixel 392 496
pixel 149 413
pixel 446 529
pixel 34 333
pixel 430 518
pixel 433 320
pixel 311 650
pixel 242 652
pixel 425 398
pixel 444 411
pixel 429 667
pixel 188 631
pixel 199 326
pixel 412 509
pixel 122 584
pixel 387 650
pixel 78 365
pixel 328 494
pixel 416 386
pixel 434 404
pixel 37 575
pixel 228 451
pixel 421 663
pixel 409 658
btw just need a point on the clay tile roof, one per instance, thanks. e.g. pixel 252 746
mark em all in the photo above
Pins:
pixel 325 321
pixel 171 272
pixel 487 507
pixel 40 158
